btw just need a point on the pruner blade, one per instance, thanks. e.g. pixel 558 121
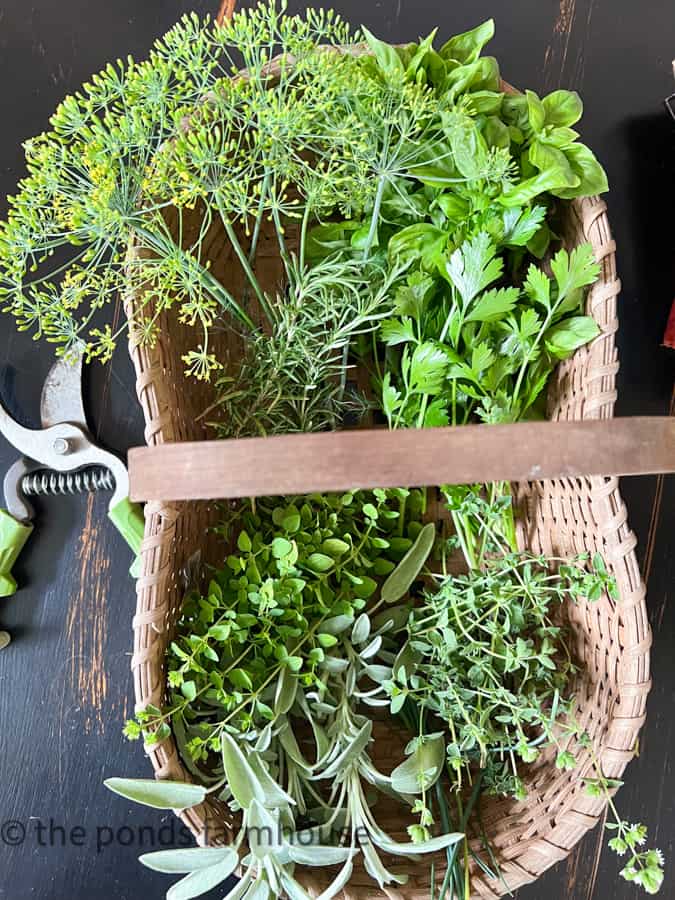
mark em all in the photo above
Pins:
pixel 62 399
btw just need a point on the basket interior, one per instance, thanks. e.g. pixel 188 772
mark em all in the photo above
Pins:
pixel 559 518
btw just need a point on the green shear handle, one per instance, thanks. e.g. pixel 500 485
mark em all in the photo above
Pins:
pixel 126 516
pixel 13 536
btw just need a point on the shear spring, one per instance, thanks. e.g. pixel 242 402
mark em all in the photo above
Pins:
pixel 51 484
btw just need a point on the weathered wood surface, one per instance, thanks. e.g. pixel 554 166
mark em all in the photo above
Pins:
pixel 305 463
pixel 65 687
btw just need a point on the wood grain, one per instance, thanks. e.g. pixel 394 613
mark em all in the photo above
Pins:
pixel 302 463
pixel 565 57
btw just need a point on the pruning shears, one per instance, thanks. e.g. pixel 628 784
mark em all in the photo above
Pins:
pixel 60 458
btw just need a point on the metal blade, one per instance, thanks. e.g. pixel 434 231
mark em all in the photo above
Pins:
pixel 61 399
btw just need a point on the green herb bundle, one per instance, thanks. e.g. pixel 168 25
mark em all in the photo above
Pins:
pixel 413 199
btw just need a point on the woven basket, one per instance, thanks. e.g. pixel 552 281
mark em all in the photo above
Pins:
pixel 561 518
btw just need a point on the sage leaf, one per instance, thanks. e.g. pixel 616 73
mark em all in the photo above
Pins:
pixel 158 794
pixel 422 769
pixel 290 745
pixel 334 665
pixel 240 888
pixel 353 750
pixel 406 660
pixel 393 619
pixel 260 890
pixel 399 582
pixel 263 831
pixel 293 888
pixel 375 867
pixel 185 860
pixel 287 687
pixel 275 796
pixel 240 776
pixel 378 674
pixel 320 855
pixel 202 880
pixel 431 846
pixel 339 882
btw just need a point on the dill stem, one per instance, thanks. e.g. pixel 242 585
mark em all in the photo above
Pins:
pixel 246 266
pixel 210 284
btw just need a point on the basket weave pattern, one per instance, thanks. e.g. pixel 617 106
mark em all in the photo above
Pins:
pixel 560 518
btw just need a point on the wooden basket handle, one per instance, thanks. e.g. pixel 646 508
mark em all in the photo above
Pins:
pixel 338 461
pixel 227 7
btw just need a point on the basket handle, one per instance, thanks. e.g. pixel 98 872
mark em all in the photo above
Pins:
pixel 337 461
pixel 226 10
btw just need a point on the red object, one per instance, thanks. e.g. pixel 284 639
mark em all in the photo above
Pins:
pixel 669 336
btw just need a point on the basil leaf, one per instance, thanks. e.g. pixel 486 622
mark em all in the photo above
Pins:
pixel 563 108
pixel 536 112
pixel 496 133
pixel 387 58
pixel 467 47
pixel 592 177
pixel 481 75
pixel 421 241
pixel 547 158
pixel 469 149
pixel 521 194
pixel 325 240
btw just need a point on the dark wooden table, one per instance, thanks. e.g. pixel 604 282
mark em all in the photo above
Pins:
pixel 65 686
